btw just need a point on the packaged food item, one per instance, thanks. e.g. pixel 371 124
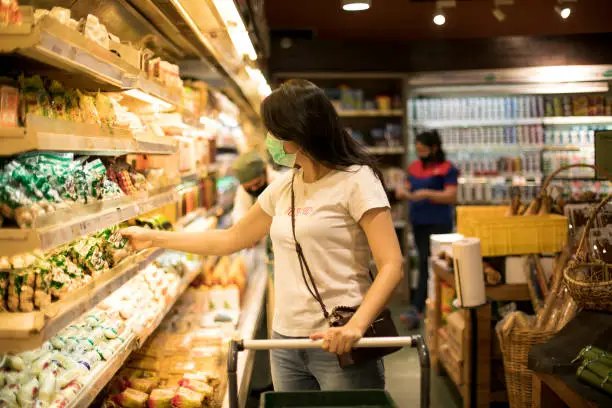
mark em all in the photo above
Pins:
pixel 160 398
pixel 34 98
pixel 42 292
pixel 88 253
pixel 186 398
pixel 60 14
pixel 9 106
pixel 131 398
pixel 106 110
pixel 87 105
pixel 10 13
pixel 116 247
pixel 95 31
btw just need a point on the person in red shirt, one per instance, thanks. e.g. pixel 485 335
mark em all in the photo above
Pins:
pixel 431 188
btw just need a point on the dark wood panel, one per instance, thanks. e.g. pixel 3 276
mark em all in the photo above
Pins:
pixel 439 55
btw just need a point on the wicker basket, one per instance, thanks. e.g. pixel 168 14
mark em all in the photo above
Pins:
pixel 515 348
pixel 590 283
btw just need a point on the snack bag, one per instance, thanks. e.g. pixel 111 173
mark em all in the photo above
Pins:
pixel 34 98
pixel 87 104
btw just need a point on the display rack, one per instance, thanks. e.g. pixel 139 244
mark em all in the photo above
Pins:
pixel 371 113
pixel 82 60
pixel 250 320
pixel 550 121
pixel 485 337
pixel 513 120
pixel 67 225
pixel 25 331
pixel 104 373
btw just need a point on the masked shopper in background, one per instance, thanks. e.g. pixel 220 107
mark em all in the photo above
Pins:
pixel 342 218
pixel 254 176
pixel 431 188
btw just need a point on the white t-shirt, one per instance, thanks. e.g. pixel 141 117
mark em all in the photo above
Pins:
pixel 328 212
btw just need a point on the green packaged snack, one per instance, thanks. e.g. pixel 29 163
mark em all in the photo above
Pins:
pixel 88 254
pixel 57 95
pixel 42 293
pixel 96 174
pixel 4 283
pixel 34 98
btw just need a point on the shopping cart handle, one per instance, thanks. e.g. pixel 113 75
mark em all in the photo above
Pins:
pixel 408 341
pixel 237 346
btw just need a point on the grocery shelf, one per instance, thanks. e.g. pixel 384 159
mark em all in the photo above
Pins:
pixel 371 113
pixel 549 121
pixel 250 319
pixel 382 150
pixel 104 373
pixel 577 120
pixel 47 134
pixel 156 89
pixel 81 61
pixel 467 123
pixel 26 331
pixel 69 224
pixel 492 148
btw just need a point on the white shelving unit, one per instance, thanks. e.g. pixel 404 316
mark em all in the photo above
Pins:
pixel 549 121
pixel 371 113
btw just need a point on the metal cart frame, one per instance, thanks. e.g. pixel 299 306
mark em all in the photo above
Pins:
pixel 417 341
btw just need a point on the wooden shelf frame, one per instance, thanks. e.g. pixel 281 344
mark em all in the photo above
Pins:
pixel 46 134
pixel 441 273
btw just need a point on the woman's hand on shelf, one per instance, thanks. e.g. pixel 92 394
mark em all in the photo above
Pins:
pixel 339 340
pixel 140 238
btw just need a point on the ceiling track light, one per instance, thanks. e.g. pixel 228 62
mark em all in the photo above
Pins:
pixel 356 5
pixel 439 18
pixel 497 11
pixel 564 10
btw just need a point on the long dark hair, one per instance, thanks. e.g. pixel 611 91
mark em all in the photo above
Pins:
pixel 298 111
pixel 431 138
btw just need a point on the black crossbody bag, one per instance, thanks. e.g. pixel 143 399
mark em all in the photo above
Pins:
pixel 382 326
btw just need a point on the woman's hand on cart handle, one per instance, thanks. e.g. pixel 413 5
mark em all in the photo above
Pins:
pixel 140 238
pixel 339 340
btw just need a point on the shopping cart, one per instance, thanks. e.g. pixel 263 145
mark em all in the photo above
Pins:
pixel 365 398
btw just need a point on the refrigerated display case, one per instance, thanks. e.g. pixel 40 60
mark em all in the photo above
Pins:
pixel 512 127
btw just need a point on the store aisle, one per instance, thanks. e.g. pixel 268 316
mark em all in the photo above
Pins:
pixel 403 377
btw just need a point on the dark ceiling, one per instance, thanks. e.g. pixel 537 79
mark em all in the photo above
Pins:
pixel 412 19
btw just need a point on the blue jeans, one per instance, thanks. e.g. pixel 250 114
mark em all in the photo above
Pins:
pixel 302 370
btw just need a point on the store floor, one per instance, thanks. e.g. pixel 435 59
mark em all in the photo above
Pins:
pixel 403 378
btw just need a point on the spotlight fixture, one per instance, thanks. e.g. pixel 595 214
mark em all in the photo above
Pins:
pixel 439 18
pixel 564 10
pixel 356 5
pixel 497 11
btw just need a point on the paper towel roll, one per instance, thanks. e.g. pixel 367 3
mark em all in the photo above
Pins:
pixel 469 275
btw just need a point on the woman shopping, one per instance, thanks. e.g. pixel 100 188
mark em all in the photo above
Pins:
pixel 326 218
pixel 431 188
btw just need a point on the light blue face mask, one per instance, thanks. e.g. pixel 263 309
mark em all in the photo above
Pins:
pixel 277 151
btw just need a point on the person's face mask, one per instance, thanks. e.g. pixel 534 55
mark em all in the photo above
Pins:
pixel 427 159
pixel 277 151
